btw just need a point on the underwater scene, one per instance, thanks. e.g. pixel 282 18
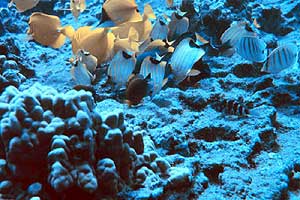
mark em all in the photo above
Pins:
pixel 149 99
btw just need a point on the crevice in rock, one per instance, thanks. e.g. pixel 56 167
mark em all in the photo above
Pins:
pixel 213 172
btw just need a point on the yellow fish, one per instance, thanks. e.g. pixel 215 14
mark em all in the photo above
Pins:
pixel 47 30
pixel 121 11
pixel 23 5
pixel 143 27
pixel 77 7
pixel 127 44
pixel 98 42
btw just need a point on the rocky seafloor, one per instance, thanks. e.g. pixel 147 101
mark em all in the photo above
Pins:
pixel 58 143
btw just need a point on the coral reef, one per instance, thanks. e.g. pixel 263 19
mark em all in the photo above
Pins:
pixel 63 141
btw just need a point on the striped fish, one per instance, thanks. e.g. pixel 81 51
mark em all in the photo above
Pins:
pixel 231 107
pixel 235 32
pixel 157 70
pixel 281 58
pixel 159 31
pixel 120 68
pixel 177 26
pixel 252 48
pixel 186 54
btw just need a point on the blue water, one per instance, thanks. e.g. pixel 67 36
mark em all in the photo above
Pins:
pixel 3 3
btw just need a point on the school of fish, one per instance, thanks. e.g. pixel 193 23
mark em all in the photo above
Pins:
pixel 145 52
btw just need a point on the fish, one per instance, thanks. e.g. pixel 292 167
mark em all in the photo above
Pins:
pixel 281 58
pixel 23 5
pixel 46 30
pixel 143 27
pixel 178 25
pixel 127 44
pixel 99 42
pixel 88 59
pixel 156 68
pixel 121 11
pixel 137 88
pixel 80 74
pixel 120 68
pixel 160 30
pixel 77 36
pixel 186 54
pixel 77 7
pixel 236 30
pixel 252 48
pixel 159 46
pixel 231 107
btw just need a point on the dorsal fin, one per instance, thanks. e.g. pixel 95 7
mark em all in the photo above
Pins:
pixel 148 12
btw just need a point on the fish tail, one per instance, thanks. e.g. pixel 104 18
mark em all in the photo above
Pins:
pixel 133 35
pixel 148 12
pixel 10 4
pixel 68 31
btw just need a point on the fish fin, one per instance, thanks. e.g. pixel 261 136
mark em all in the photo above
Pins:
pixel 72 73
pixel 68 31
pixel 167 18
pixel 148 12
pixel 169 43
pixel 256 24
pixel 264 68
pixel 82 7
pixel 158 57
pixel 72 60
pixel 193 72
pixel 165 81
pixel 10 4
pixel 201 39
pixel 148 77
pixel 171 49
pixel 180 13
pixel 133 35
pixel 134 46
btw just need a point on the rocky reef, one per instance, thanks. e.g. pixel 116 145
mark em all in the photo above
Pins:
pixel 54 144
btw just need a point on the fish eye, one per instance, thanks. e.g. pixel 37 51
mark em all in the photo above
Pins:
pixel 137 10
